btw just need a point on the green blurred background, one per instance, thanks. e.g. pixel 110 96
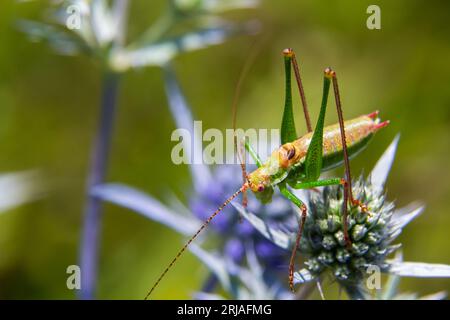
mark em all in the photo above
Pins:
pixel 49 108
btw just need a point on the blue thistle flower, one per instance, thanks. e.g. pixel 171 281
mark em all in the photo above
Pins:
pixel 101 25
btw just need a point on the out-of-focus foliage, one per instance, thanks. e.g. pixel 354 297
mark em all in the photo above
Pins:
pixel 98 28
pixel 48 105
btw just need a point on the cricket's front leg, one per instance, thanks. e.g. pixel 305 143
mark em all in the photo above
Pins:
pixel 292 197
pixel 330 182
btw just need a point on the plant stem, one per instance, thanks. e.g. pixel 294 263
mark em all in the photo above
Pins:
pixel 210 283
pixel 97 171
pixel 355 292
pixel 305 291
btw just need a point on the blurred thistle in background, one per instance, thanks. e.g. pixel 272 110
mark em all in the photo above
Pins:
pixel 47 109
pixel 17 188
pixel 100 32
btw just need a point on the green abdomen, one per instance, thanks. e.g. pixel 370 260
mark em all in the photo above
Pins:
pixel 358 133
pixel 335 159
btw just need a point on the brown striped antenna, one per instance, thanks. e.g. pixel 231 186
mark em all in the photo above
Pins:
pixel 241 152
pixel 204 225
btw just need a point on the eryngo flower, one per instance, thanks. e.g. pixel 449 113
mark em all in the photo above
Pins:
pixel 372 234
pixel 98 28
pixel 390 289
pixel 240 281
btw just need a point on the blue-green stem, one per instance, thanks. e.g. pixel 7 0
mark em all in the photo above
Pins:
pixel 355 292
pixel 97 172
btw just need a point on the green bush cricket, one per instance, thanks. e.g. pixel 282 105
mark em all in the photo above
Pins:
pixel 298 162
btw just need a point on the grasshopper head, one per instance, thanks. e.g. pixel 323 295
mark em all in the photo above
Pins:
pixel 260 184
pixel 275 170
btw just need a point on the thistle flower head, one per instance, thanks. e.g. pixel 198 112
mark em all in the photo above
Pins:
pixel 371 233
pixel 98 28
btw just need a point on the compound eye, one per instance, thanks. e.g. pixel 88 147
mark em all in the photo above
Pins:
pixel 291 153
pixel 261 188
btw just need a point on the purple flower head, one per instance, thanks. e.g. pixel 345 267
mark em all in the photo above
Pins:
pixel 232 228
pixel 234 248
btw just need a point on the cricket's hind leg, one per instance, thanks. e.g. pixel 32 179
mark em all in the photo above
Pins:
pixel 293 198
pixel 290 55
pixel 288 131
pixel 348 191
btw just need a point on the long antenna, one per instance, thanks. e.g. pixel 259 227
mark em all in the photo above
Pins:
pixel 244 71
pixel 204 225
